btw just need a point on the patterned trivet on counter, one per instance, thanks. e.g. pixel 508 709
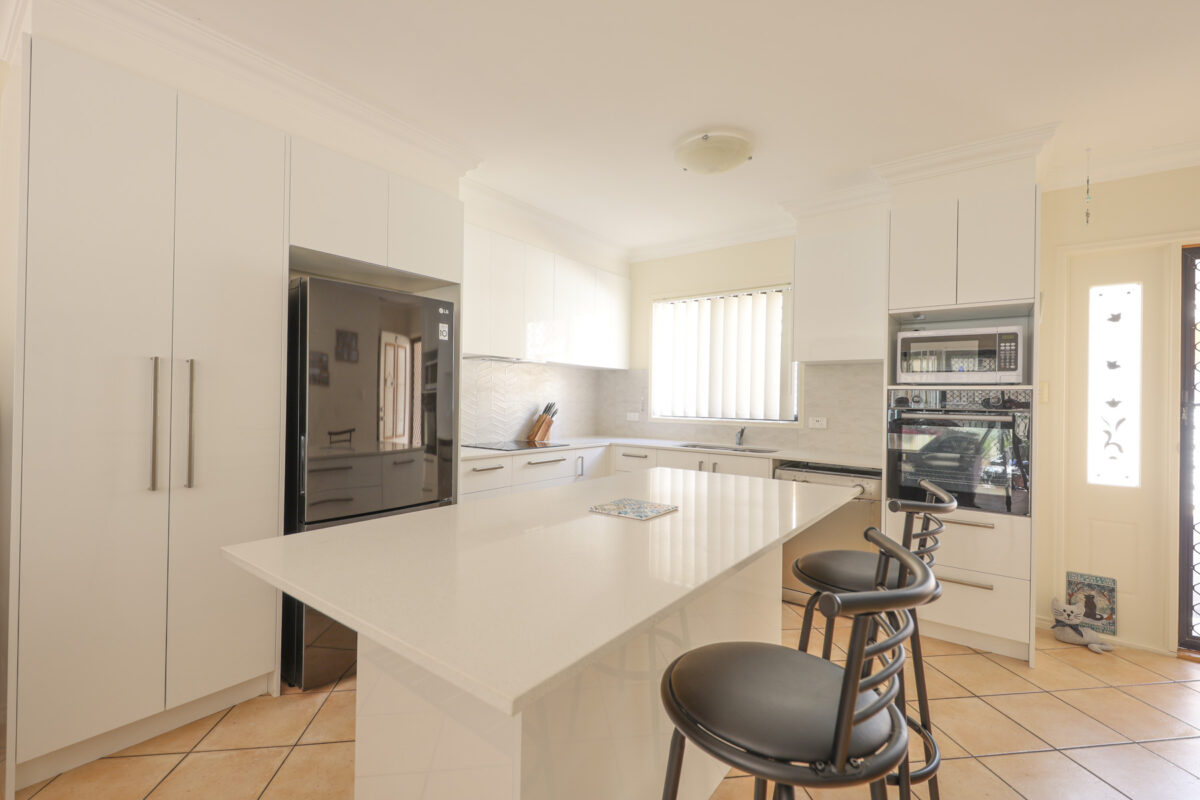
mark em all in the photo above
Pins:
pixel 634 509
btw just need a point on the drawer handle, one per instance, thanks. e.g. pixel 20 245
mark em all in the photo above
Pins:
pixel 635 455
pixel 487 469
pixel 403 461
pixel 331 469
pixel 331 500
pixel 547 461
pixel 969 524
pixel 985 586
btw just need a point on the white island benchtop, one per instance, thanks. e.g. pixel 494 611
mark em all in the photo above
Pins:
pixel 509 600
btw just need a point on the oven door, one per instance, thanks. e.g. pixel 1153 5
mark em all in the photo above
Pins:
pixel 982 459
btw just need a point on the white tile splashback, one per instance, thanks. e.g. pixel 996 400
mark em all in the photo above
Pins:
pixel 499 399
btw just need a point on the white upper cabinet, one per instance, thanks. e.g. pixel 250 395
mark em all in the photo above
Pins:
pixel 839 292
pixel 338 205
pixel 996 242
pixel 575 311
pixel 506 297
pixel 540 342
pixel 227 384
pixel 476 304
pixel 924 253
pixel 425 230
pixel 612 320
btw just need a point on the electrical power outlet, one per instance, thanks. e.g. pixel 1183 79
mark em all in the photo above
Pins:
pixel 632 416
pixel 818 423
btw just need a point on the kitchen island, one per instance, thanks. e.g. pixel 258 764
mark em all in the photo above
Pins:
pixel 512 647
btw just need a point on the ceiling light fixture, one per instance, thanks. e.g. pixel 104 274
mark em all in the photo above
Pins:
pixel 711 152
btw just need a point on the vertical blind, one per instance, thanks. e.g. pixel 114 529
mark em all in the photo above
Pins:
pixel 720 357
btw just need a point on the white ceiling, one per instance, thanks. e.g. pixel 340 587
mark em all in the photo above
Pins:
pixel 574 107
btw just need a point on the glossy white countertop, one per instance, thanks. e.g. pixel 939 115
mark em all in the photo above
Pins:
pixel 843 458
pixel 503 595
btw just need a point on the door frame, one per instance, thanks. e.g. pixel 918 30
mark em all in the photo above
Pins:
pixel 1188 355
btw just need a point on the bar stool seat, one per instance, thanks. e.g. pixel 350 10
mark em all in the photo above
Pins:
pixel 845 571
pixel 771 700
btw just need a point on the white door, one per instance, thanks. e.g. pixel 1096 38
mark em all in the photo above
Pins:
pixel 93 534
pixel 1118 444
pixel 230 281
pixel 395 351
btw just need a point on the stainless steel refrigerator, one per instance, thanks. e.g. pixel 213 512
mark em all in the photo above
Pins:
pixel 370 432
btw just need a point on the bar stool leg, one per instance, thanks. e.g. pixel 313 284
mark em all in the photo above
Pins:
pixel 806 626
pixel 784 792
pixel 760 789
pixel 918 666
pixel 674 766
pixel 879 790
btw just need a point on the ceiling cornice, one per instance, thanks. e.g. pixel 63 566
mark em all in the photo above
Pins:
pixel 1021 144
pixel 181 34
pixel 865 194
pixel 1160 159
pixel 12 21
pixel 702 244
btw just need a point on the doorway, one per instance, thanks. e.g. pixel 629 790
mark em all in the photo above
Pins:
pixel 1189 456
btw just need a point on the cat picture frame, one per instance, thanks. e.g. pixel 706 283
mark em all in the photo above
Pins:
pixel 1098 596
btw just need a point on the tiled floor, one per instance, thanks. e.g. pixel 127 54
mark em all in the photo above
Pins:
pixel 1079 725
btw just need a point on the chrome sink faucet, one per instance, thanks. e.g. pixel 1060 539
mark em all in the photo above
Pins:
pixel 737 438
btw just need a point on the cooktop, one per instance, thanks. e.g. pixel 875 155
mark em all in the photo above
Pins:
pixel 516 445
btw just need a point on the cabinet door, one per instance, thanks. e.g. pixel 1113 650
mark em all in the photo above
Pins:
pixel 996 244
pixel 476 306
pixel 741 465
pixel 924 254
pixel 684 459
pixel 631 459
pixel 227 414
pixel 540 342
pixel 575 310
pixel 339 205
pixel 425 230
pixel 591 463
pixel 612 320
pixel 840 295
pixel 506 295
pixel 93 535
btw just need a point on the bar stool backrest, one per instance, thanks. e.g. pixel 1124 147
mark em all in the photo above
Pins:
pixel 923 541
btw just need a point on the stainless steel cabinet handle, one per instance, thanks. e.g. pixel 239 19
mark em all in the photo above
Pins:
pixel 635 455
pixel 547 461
pixel 191 462
pixel 331 469
pixel 331 500
pixel 578 466
pixel 700 465
pixel 969 523
pixel 154 426
pixel 972 584
pixel 714 467
pixel 487 469
pixel 402 462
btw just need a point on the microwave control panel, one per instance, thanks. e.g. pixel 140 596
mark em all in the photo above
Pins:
pixel 1006 355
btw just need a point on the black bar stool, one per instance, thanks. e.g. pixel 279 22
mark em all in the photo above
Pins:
pixel 796 719
pixel 840 571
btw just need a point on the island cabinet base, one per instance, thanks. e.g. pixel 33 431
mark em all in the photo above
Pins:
pixel 598 732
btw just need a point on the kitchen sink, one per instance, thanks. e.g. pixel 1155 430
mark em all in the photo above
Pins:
pixel 731 447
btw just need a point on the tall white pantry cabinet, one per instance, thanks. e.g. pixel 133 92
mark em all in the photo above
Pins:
pixel 155 268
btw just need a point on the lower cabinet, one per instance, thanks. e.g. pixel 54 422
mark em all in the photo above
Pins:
pixel 630 459
pixel 714 462
pixel 489 477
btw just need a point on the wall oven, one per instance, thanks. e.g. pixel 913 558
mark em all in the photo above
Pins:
pixel 974 443
pixel 964 355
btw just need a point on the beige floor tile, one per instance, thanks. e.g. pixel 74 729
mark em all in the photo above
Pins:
pixel 791 638
pixel 1184 753
pixel 981 729
pixel 936 683
pixel 1054 721
pixel 1111 669
pixel 1137 772
pixel 110 779
pixel 940 647
pixel 335 721
pixel 1044 640
pixel 1049 776
pixel 1177 669
pixel 264 722
pixel 967 779
pixel 980 675
pixel 225 774
pixel 32 789
pixel 1126 714
pixel 791 617
pixel 180 740
pixel 1050 674
pixel 284 688
pixel 738 788
pixel 349 681
pixel 1172 698
pixel 315 772
pixel 848 793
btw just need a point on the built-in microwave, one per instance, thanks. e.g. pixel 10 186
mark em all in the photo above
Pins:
pixel 963 355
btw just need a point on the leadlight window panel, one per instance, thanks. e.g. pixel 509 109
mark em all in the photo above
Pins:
pixel 1114 404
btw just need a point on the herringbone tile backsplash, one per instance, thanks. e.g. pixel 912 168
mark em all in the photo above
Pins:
pixel 499 399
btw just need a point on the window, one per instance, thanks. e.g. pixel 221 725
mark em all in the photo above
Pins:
pixel 1115 385
pixel 723 357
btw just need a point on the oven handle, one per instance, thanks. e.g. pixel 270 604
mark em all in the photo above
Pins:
pixel 962 417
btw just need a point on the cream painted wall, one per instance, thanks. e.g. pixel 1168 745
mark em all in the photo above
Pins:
pixel 743 266
pixel 1146 211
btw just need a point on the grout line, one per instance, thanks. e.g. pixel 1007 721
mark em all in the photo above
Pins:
pixel 184 756
pixel 296 743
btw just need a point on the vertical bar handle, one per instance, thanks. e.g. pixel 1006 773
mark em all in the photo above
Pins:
pixel 191 461
pixel 154 424
pixel 714 467
pixel 579 466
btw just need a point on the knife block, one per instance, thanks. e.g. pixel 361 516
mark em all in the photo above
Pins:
pixel 540 430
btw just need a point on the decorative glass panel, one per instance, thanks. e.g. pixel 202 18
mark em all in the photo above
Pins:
pixel 1114 405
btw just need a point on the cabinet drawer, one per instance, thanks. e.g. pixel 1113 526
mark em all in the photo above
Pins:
pixel 408 478
pixel 740 465
pixel 992 604
pixel 528 468
pixel 485 473
pixel 339 473
pixel 993 543
pixel 343 502
pixel 630 459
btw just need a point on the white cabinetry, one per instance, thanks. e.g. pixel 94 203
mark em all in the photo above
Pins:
pixel 612 320
pixel 996 243
pixel 488 477
pixel 840 286
pixel 493 294
pixel 684 459
pixel 630 459
pixel 575 311
pixel 924 253
pixel 425 230
pixel 541 343
pixel 105 401
pixel 741 465
pixel 339 205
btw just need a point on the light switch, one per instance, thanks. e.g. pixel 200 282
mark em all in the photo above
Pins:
pixel 818 423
